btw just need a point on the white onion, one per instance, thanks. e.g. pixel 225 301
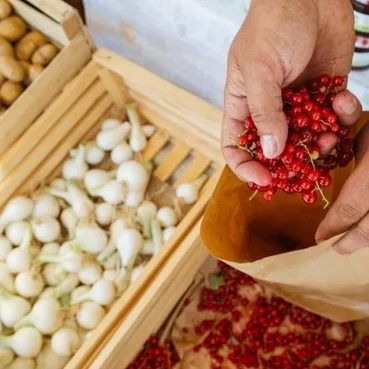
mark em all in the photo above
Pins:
pixel 29 284
pixel 104 213
pixel 46 205
pixel 90 273
pixel 167 217
pixel 65 342
pixel 46 229
pixel 5 248
pixel 18 208
pixel 46 316
pixel 122 153
pixel 16 231
pixel 110 138
pixel 90 315
pixel 26 342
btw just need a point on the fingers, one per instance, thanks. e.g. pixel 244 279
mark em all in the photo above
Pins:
pixel 362 143
pixel 347 107
pixel 263 89
pixel 235 112
pixel 356 239
pixel 327 142
pixel 350 207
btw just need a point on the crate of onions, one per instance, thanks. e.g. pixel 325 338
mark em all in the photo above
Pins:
pixel 43 45
pixel 124 165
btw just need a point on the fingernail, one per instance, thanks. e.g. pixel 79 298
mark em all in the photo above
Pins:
pixel 341 250
pixel 269 145
pixel 349 106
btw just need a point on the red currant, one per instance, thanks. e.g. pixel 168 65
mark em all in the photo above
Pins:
pixel 337 81
pixel 325 180
pixel 314 175
pixel 309 197
pixel 249 124
pixel 324 80
pixel 243 140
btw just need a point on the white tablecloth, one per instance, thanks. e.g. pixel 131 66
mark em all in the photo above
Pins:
pixel 185 42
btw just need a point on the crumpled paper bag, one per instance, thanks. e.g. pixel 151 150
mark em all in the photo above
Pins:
pixel 272 243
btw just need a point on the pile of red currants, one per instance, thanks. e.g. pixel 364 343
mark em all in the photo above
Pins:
pixel 301 168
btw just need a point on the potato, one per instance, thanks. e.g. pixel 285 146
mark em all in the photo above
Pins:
pixel 11 69
pixel 28 44
pixel 26 65
pixel 10 91
pixel 6 48
pixel 45 54
pixel 5 9
pixel 35 71
pixel 2 79
pixel 12 28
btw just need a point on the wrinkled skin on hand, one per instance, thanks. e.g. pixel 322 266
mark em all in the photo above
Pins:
pixel 280 43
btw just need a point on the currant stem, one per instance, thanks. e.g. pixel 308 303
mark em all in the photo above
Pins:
pixel 253 195
pixel 301 143
pixel 236 144
pixel 322 194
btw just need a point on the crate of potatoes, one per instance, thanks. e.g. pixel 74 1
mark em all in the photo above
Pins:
pixel 43 45
pixel 94 210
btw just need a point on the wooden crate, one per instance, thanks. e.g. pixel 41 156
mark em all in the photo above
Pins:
pixel 174 278
pixel 188 129
pixel 62 24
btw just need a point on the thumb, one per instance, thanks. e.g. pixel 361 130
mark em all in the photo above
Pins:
pixel 263 82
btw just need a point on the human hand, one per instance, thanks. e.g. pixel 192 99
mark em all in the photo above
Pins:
pixel 350 210
pixel 280 42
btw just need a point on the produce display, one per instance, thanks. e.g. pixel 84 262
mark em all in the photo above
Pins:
pixel 24 53
pixel 70 250
pixel 231 322
pixel 301 168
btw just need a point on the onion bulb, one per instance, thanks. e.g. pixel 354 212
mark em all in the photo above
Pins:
pixel 189 191
pixel 65 342
pixel 167 217
pixel 26 342
pixel 46 316
pixel 110 138
pixel 18 208
pixel 76 167
pixel 90 315
pixel 137 140
pixel 46 205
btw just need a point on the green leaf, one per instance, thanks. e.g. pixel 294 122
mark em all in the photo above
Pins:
pixel 215 281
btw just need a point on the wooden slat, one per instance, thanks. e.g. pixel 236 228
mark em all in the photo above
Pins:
pixel 211 182
pixel 156 143
pixel 55 9
pixel 172 161
pixel 57 156
pixel 189 135
pixel 198 165
pixel 155 304
pixel 115 86
pixel 40 128
pixel 45 146
pixel 40 21
pixel 186 108
pixel 40 94
pixel 62 13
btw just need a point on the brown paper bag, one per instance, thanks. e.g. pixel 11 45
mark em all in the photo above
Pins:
pixel 261 238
